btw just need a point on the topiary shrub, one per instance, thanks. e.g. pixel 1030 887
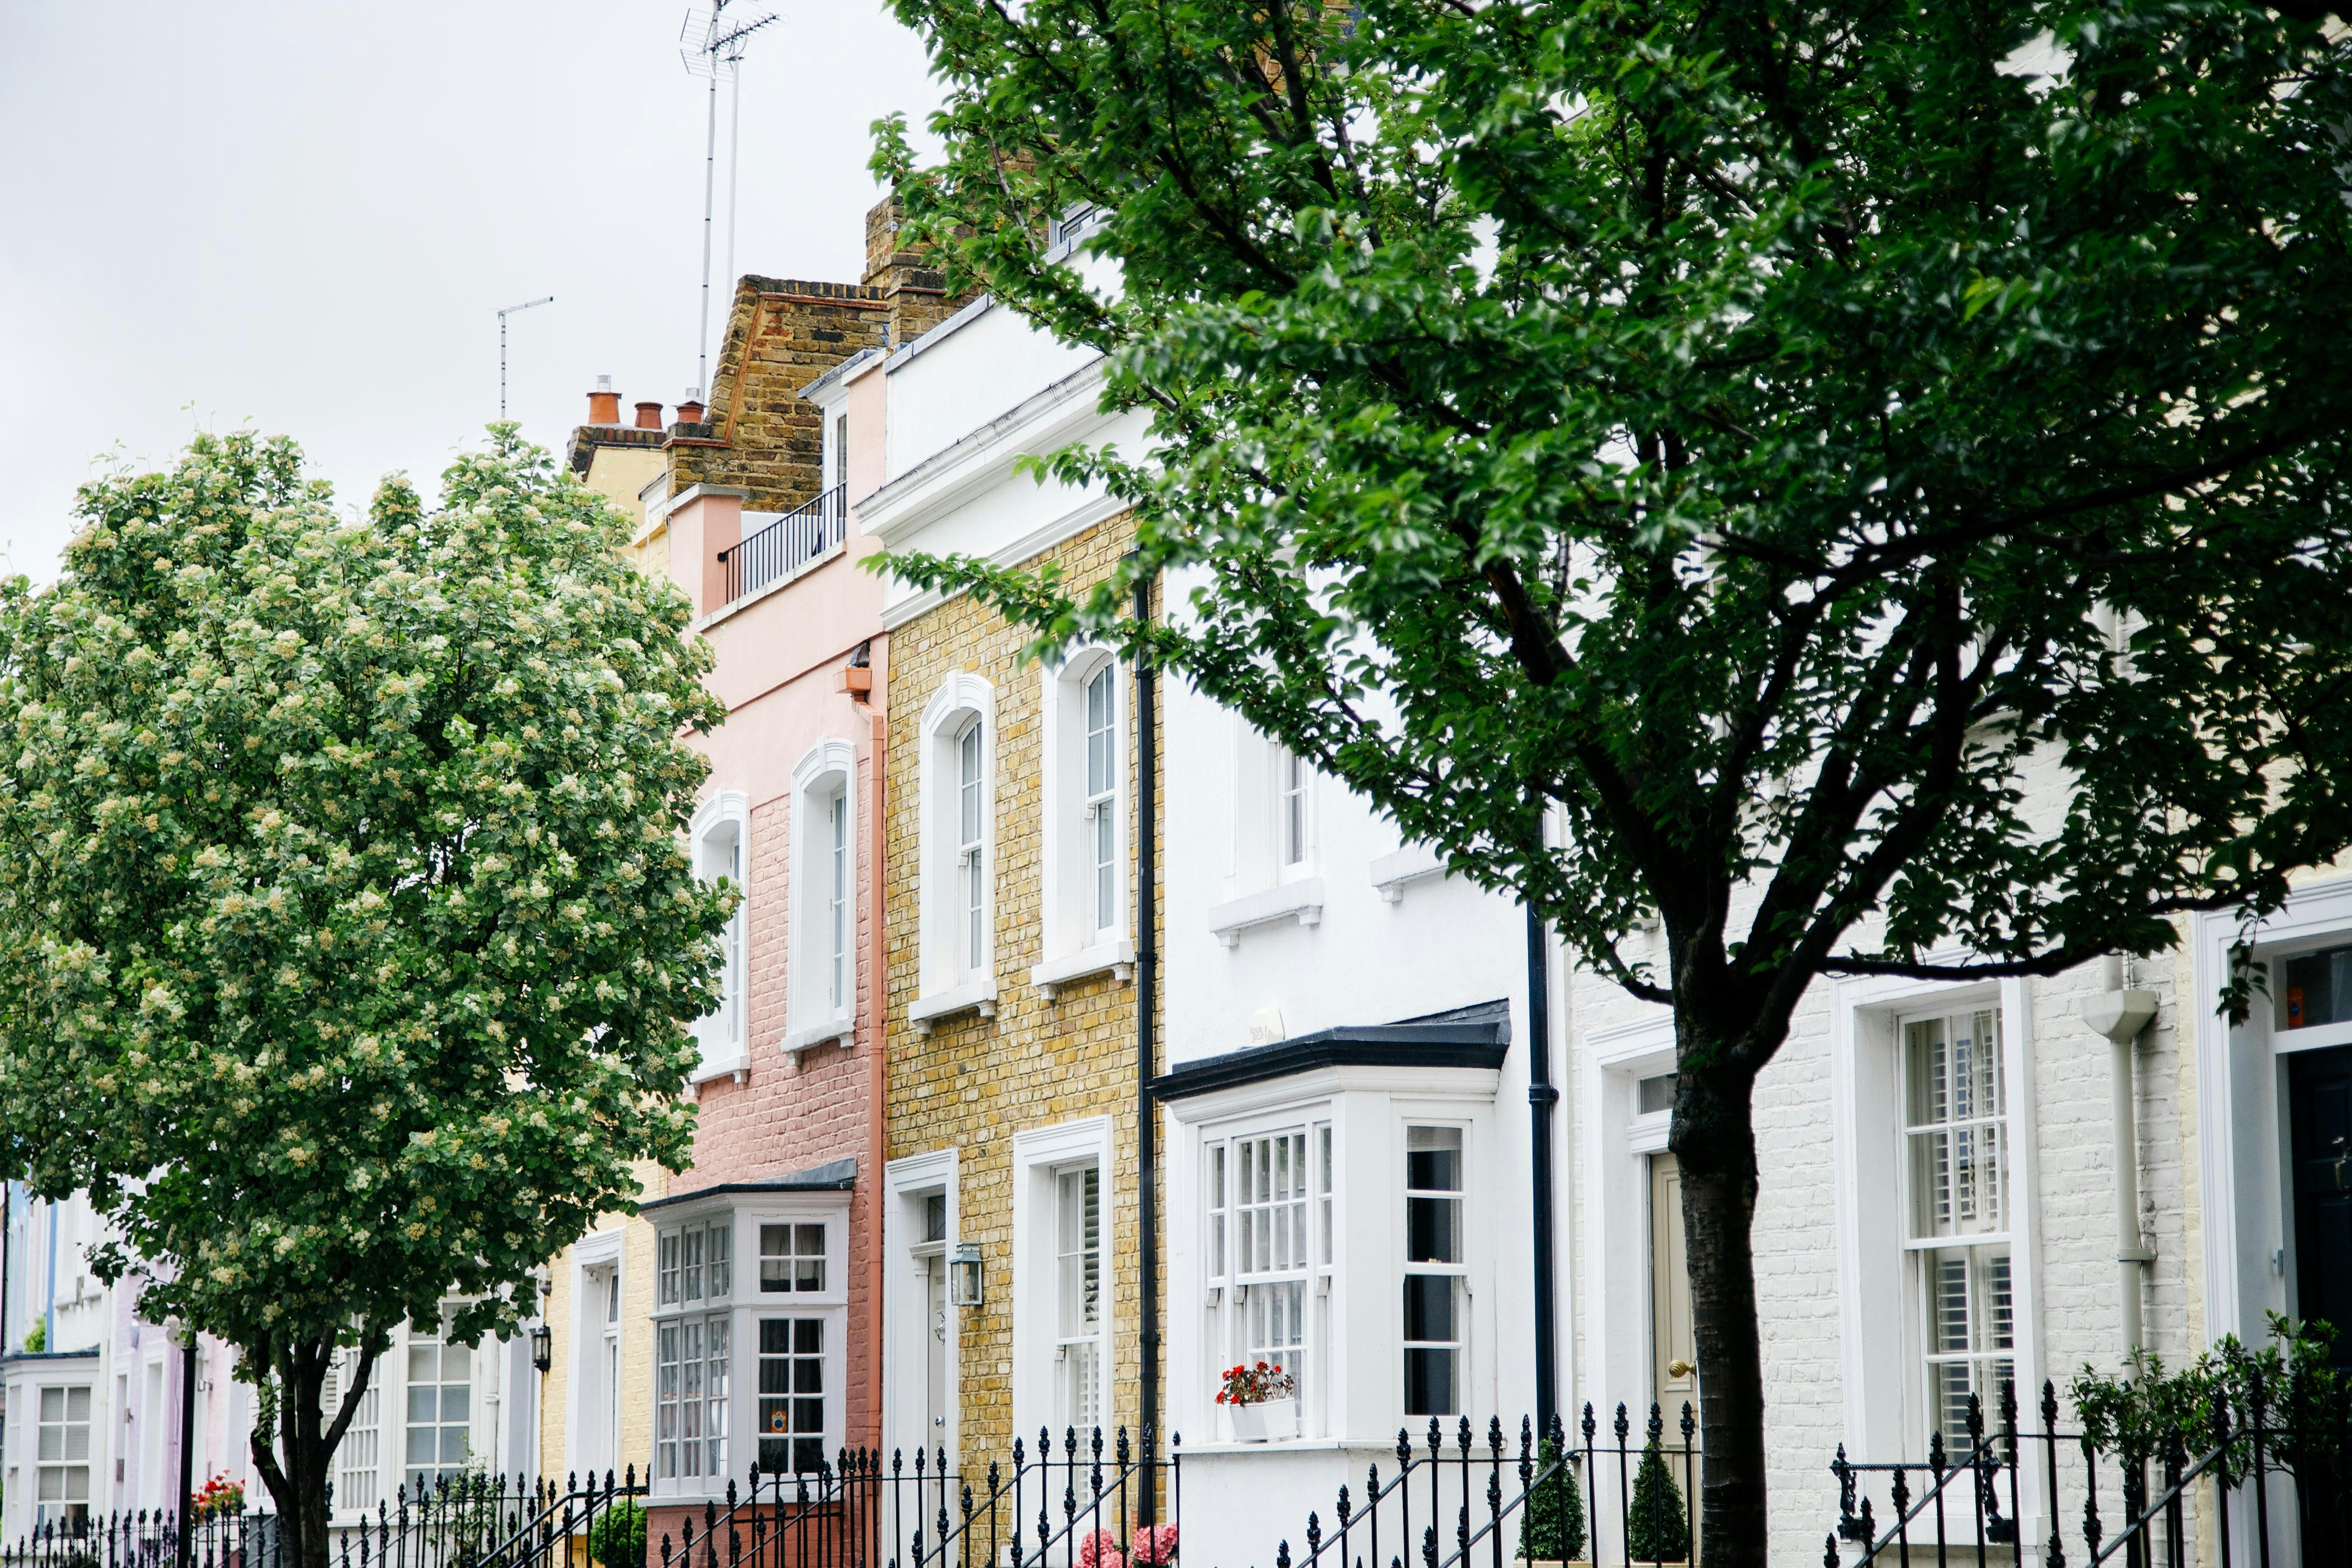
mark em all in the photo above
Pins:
pixel 1657 1529
pixel 618 1539
pixel 1551 1522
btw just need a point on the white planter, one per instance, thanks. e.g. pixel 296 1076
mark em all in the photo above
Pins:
pixel 1268 1421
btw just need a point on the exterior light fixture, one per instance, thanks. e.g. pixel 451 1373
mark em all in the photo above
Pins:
pixel 967 1281
pixel 543 1346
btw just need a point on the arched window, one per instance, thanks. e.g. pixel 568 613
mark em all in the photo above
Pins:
pixel 1086 851
pixel 721 837
pixel 823 967
pixel 957 893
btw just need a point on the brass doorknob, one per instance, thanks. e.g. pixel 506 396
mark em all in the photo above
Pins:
pixel 1679 1368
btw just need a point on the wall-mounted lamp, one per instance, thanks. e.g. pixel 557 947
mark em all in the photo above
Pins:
pixel 543 1346
pixel 967 1281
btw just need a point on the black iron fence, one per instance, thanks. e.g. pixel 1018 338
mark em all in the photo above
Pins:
pixel 787 545
pixel 1078 1504
pixel 474 1521
pixel 2259 1487
pixel 1484 1499
pixel 148 1539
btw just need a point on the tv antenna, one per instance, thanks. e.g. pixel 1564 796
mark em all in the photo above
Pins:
pixel 711 45
pixel 511 309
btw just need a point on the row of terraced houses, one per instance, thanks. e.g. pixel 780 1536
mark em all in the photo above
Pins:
pixel 961 1034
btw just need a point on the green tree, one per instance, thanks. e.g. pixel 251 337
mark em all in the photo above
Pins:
pixel 1873 477
pixel 347 942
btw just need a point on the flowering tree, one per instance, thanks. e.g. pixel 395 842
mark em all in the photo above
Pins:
pixel 347 942
pixel 1875 474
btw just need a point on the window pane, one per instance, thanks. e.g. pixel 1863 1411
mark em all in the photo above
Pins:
pixel 1432 1159
pixel 2317 989
pixel 1657 1093
pixel 720 1262
pixel 1432 1230
pixel 1429 1383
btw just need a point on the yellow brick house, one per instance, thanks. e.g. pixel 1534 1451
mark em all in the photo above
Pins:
pixel 1011 1200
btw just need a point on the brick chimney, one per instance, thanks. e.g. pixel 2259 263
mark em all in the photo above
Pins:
pixel 648 415
pixel 603 404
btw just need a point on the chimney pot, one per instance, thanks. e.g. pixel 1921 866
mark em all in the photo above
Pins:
pixel 649 416
pixel 603 404
pixel 690 411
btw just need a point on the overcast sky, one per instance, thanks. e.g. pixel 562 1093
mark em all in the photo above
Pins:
pixel 304 217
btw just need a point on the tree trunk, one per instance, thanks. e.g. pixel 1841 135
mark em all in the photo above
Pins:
pixel 297 1466
pixel 1714 1141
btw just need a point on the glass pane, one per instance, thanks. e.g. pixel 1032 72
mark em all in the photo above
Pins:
pixel 1432 1230
pixel 424 1403
pixel 720 1278
pixel 775 1258
pixel 1657 1093
pixel 1432 1159
pixel 2316 989
pixel 1429 1381
pixel 453 1445
pixel 455 1401
pixel 457 1362
pixel 1429 1307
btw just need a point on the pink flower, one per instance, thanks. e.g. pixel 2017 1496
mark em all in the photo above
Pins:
pixel 1100 1549
pixel 1154 1546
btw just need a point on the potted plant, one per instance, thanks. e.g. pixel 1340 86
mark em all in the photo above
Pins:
pixel 1263 1399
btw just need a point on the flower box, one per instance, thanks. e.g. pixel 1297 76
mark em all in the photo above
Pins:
pixel 1268 1421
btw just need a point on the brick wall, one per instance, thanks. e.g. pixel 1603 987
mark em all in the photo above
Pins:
pixel 974 1083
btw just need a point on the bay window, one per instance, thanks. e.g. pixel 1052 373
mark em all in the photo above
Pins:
pixel 782 1333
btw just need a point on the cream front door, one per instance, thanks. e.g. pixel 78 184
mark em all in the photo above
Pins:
pixel 1673 1352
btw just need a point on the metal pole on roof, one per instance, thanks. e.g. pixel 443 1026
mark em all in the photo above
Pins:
pixel 511 309
pixel 716 50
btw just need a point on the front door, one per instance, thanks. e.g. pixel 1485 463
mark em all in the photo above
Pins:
pixel 2319 1099
pixel 1673 1352
pixel 2319 1093
pixel 935 1352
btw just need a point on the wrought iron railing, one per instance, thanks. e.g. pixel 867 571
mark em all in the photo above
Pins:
pixel 1468 1505
pixel 473 1521
pixel 2132 1508
pixel 148 1539
pixel 1080 1508
pixel 788 546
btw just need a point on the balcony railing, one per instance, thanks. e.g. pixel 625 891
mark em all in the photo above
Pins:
pixel 788 546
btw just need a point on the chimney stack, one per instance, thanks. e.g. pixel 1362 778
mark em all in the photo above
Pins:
pixel 603 404
pixel 689 407
pixel 648 415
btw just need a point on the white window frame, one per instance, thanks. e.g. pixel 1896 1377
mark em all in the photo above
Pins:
pixel 1267 885
pixel 1457 1269
pixel 358 1457
pixel 825 780
pixel 742 1311
pixel 950 980
pixel 64 1463
pixel 1040 1155
pixel 598 1259
pixel 723 1035
pixel 1881 1324
pixel 1075 946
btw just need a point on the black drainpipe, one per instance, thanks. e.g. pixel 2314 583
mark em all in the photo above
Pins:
pixel 1541 1098
pixel 1147 997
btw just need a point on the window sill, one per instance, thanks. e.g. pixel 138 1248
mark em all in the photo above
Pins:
pixel 840 1028
pixel 735 1063
pixel 979 996
pixel 1116 955
pixel 1392 874
pixel 1301 900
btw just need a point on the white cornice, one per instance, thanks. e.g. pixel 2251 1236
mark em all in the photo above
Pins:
pixel 1063 413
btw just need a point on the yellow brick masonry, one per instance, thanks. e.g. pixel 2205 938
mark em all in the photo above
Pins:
pixel 975 1082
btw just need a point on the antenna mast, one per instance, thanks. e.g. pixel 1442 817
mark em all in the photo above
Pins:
pixel 711 46
pixel 509 311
